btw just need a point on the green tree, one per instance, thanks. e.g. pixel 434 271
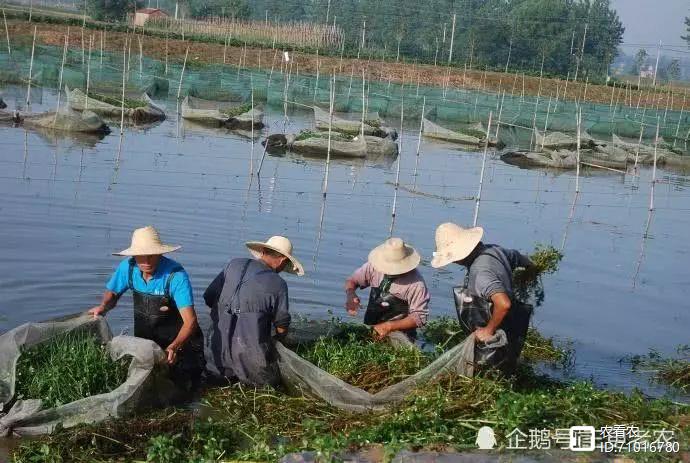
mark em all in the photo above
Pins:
pixel 110 10
pixel 673 69
pixel 687 28
pixel 640 58
pixel 237 9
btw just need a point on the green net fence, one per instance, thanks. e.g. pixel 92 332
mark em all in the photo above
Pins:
pixel 453 108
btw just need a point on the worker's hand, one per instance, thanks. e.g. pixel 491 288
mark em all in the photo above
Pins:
pixel 352 303
pixel 96 311
pixel 171 352
pixel 484 334
pixel 382 329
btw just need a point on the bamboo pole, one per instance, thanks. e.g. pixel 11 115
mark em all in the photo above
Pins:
pixel 251 151
pixel 656 144
pixel 184 65
pixel 397 172
pixel 166 53
pixel 500 114
pixel 31 67
pixel 577 166
pixel 481 173
pixel 7 33
pixel 419 142
pixel 680 117
pixel 361 45
pixel 364 106
pixel 102 39
pixel 141 57
pixel 656 66
pixel 452 39
pixel 639 141
pixel 546 124
pixel 324 190
pixel 582 53
pixel 62 68
pixel 83 47
pixel 88 73
pixel 124 78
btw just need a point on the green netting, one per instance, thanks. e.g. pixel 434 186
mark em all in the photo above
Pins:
pixel 453 108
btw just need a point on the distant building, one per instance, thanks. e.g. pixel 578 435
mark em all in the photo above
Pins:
pixel 647 72
pixel 145 14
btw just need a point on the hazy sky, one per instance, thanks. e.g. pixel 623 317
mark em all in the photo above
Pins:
pixel 648 21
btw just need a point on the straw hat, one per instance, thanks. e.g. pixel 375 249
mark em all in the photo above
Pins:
pixel 454 243
pixel 278 244
pixel 394 257
pixel 146 242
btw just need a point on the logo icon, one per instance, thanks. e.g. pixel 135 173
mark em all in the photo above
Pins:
pixel 486 440
pixel 582 438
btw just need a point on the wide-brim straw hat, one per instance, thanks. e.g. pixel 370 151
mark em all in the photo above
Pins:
pixel 146 242
pixel 394 257
pixel 281 245
pixel 454 243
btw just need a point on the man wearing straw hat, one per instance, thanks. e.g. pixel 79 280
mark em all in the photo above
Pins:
pixel 398 299
pixel 249 304
pixel 485 303
pixel 163 304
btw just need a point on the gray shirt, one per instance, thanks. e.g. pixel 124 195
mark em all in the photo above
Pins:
pixel 247 299
pixel 492 271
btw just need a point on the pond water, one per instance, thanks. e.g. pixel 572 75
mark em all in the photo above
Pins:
pixel 68 203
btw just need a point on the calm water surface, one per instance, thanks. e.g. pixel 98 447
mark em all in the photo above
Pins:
pixel 67 204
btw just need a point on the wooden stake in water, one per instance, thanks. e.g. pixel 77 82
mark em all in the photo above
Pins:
pixel 546 124
pixel 656 144
pixel 31 68
pixel 7 33
pixel 102 39
pixel 500 114
pixel 166 53
pixel 141 57
pixel 481 173
pixel 364 104
pixel 639 141
pixel 184 65
pixel 397 172
pixel 88 73
pixel 582 52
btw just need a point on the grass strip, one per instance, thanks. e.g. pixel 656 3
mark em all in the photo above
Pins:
pixel 66 368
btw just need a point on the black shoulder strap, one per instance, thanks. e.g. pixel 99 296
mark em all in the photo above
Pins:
pixel 241 281
pixel 130 283
pixel 169 280
pixel 466 284
pixel 386 282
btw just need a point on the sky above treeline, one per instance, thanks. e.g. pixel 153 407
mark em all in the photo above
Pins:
pixel 648 21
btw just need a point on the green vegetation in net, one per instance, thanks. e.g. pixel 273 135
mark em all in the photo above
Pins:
pixel 66 368
pixel 672 371
pixel 234 111
pixel 358 359
pixel 376 123
pixel 130 104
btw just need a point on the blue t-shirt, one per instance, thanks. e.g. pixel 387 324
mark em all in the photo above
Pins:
pixel 180 286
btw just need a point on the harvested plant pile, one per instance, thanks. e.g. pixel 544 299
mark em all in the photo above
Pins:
pixel 308 134
pixel 66 368
pixel 234 111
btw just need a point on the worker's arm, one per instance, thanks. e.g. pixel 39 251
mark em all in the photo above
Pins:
pixel 108 302
pixel 407 323
pixel 501 307
pixel 361 278
pixel 189 327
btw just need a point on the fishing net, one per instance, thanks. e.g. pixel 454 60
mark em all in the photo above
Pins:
pixel 146 384
pixel 299 374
